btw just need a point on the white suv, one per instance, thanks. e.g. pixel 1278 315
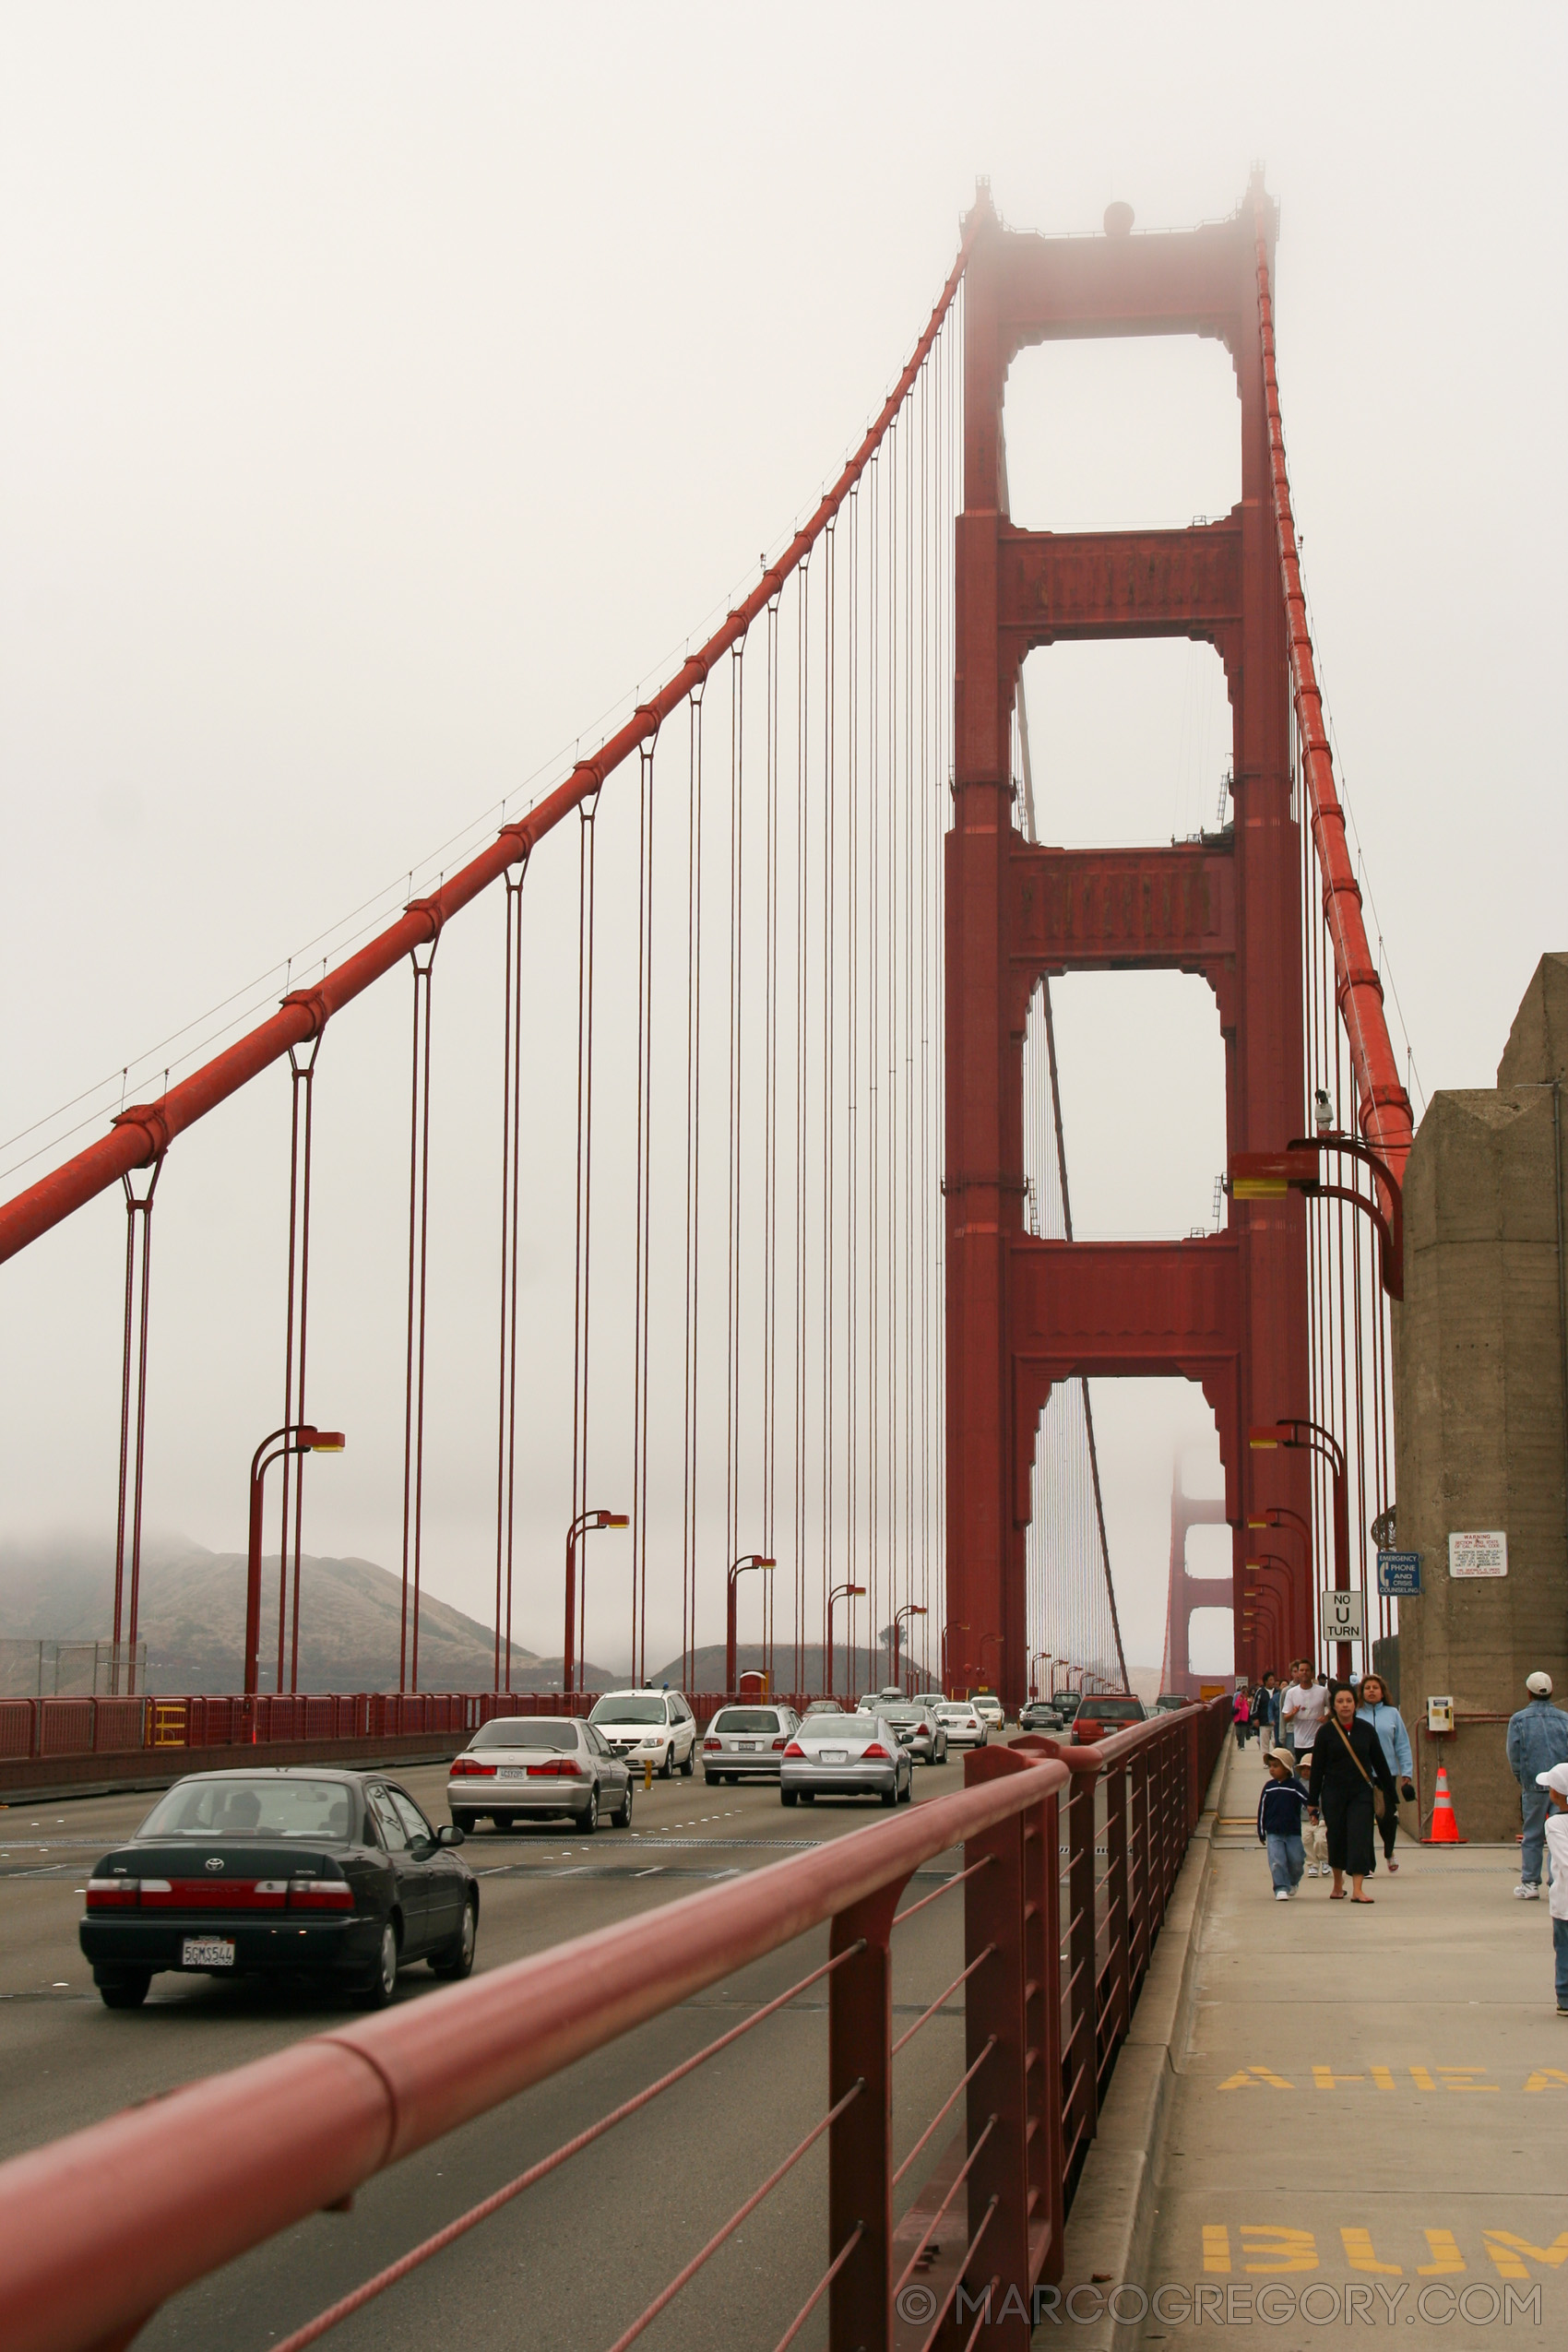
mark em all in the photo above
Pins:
pixel 988 1707
pixel 649 1726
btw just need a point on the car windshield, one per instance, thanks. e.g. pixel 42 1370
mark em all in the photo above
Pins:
pixel 532 1731
pixel 745 1720
pixel 904 1714
pixel 613 1710
pixel 835 1721
pixel 1111 1710
pixel 258 1807
pixel 955 1706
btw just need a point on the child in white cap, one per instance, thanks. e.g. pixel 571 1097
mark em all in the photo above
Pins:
pixel 1555 1783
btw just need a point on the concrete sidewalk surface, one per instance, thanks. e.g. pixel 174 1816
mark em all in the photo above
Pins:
pixel 1366 2121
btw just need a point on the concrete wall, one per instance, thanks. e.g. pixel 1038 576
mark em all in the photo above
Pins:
pixel 1481 1433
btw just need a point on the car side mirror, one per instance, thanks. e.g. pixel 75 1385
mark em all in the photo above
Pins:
pixel 450 1834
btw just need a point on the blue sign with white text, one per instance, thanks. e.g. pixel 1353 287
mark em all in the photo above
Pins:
pixel 1399 1574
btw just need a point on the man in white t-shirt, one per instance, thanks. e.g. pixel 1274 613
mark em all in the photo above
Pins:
pixel 1304 1710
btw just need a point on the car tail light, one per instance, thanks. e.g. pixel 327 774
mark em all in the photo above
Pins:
pixel 779 1743
pixel 794 1749
pixel 558 1768
pixel 113 1893
pixel 711 1747
pixel 470 1768
pixel 320 1895
pixel 876 1752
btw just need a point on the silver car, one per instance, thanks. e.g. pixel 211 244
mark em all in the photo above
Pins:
pixel 917 1729
pixel 964 1726
pixel 528 1767
pixel 747 1743
pixel 846 1755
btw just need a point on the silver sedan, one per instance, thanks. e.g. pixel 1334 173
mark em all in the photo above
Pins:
pixel 523 1767
pixel 846 1755
pixel 746 1743
pixel 918 1730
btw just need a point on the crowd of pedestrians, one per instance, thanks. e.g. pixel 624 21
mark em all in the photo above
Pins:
pixel 1338 1760
pixel 1330 1751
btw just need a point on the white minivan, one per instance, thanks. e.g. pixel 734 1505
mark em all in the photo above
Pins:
pixel 649 1726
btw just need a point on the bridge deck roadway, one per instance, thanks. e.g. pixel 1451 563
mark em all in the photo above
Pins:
pixel 574 2260
pixel 1367 2098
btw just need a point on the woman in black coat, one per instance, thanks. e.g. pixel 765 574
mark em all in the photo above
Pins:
pixel 1347 1763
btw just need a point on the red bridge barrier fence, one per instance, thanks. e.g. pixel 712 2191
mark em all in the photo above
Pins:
pixel 98 2231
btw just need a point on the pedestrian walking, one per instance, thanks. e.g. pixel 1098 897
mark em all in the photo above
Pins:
pixel 1377 1709
pixel 1538 1739
pixel 1554 1785
pixel 1347 1764
pixel 1241 1714
pixel 1279 1826
pixel 1265 1704
pixel 1301 1711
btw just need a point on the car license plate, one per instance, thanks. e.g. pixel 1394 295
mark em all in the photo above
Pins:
pixel 207 1951
pixel 835 1755
pixel 512 1772
pixel 745 1747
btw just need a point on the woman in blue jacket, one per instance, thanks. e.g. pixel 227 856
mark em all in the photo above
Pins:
pixel 1394 1740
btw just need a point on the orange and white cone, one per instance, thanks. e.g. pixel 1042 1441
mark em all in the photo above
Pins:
pixel 1444 1830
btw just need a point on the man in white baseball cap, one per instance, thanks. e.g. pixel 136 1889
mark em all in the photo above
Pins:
pixel 1555 1786
pixel 1538 1739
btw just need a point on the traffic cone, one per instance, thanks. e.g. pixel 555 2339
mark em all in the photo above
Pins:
pixel 1444 1830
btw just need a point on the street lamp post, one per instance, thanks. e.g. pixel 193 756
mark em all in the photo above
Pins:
pixel 1282 1595
pixel 911 1609
pixel 737 1568
pixel 1310 1436
pixel 1001 1641
pixel 1277 1516
pixel 585 1520
pixel 1269 1175
pixel 839 1592
pixel 953 1625
pixel 299 1437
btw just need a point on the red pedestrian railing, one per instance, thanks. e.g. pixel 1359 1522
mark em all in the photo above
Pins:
pixel 99 2231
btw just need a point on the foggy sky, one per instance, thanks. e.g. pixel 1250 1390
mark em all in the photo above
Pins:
pixel 387 393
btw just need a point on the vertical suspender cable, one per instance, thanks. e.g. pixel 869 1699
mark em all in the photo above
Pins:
pixel 830 1109
pixel 874 1088
pixel 694 1174
pixel 303 1075
pixel 422 961
pixel 770 1145
pixel 583 1282
pixel 138 1210
pixel 737 1010
pixel 506 1409
pixel 802 949
pixel 643 1279
pixel 851 1139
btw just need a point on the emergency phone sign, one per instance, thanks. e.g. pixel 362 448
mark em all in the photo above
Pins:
pixel 1342 1617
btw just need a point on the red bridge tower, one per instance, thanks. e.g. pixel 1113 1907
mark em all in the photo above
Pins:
pixel 1229 1310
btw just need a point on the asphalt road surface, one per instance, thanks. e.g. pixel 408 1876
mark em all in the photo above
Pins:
pixel 573 2261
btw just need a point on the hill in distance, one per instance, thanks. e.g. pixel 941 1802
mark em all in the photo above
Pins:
pixel 192 1615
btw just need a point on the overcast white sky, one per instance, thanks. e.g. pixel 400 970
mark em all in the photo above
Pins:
pixel 385 392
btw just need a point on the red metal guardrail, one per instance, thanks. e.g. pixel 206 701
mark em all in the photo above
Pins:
pixel 98 2231
pixel 32 1728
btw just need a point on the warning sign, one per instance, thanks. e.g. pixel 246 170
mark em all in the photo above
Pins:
pixel 1478 1555
pixel 1342 1617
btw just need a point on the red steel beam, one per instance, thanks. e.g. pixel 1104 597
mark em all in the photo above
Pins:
pixel 1383 1107
pixel 1073 910
pixel 139 1135
pixel 1061 585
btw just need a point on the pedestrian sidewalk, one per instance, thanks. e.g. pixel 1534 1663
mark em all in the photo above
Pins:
pixel 1368 2122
